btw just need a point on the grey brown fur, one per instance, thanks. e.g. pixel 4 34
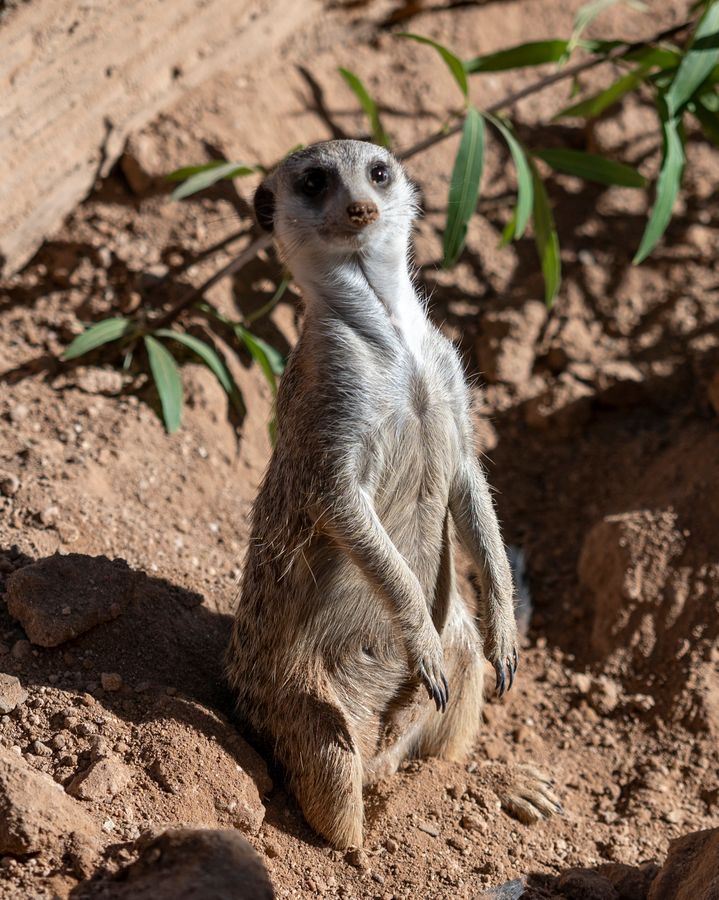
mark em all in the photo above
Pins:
pixel 348 609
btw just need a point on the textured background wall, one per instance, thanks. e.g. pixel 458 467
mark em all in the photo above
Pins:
pixel 75 79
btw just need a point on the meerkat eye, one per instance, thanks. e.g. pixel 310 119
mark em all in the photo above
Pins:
pixel 313 182
pixel 379 173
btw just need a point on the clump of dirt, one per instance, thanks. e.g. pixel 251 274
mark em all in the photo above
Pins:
pixel 599 426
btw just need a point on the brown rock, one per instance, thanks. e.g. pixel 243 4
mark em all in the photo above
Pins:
pixel 586 884
pixel 505 349
pixel 629 882
pixel 111 681
pixel 36 816
pixel 604 695
pixel 620 384
pixel 102 780
pixel 12 693
pixel 183 864
pixel 9 484
pixel 94 589
pixel 691 870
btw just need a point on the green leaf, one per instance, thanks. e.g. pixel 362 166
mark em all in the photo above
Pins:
pixel 269 360
pixel 211 359
pixel 454 63
pixel 464 186
pixel 534 53
pixel 592 167
pixel 167 379
pixel 698 61
pixel 204 176
pixel 670 177
pixel 547 240
pixel 587 14
pixel 102 333
pixel 595 105
pixel 525 189
pixel 379 135
pixel 708 119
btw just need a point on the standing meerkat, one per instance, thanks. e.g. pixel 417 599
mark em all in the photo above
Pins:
pixel 348 606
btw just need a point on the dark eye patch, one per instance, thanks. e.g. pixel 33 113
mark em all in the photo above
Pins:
pixel 313 182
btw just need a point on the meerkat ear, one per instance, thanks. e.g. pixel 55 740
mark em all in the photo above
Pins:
pixel 264 204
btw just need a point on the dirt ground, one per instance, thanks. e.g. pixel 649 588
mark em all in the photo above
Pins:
pixel 599 428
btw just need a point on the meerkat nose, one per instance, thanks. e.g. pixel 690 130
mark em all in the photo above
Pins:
pixel 362 212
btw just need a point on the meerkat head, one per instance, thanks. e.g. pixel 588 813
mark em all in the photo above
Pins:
pixel 336 199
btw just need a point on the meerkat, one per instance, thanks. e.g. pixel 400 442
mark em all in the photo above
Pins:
pixel 348 606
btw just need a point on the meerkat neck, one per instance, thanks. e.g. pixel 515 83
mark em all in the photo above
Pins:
pixel 372 292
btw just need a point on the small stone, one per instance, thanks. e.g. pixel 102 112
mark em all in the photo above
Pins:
pixel 58 741
pixel 428 828
pixel 9 484
pixel 40 749
pixel 581 682
pixel 604 695
pixel 357 858
pixel 104 779
pixel 471 822
pixel 674 817
pixel 111 681
pixel 272 851
pixel 19 413
pixel 12 693
pixel 391 845
pixel 49 516
pixel 21 649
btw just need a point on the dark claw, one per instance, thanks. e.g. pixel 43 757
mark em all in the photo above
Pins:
pixel 511 671
pixel 446 691
pixel 499 668
pixel 515 659
pixel 437 697
pixel 559 808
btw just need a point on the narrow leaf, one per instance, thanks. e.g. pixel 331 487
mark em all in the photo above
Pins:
pixel 454 63
pixel 670 177
pixel 547 240
pixel 211 359
pixel 379 135
pixel 525 189
pixel 210 175
pixel 185 172
pixel 534 53
pixel 592 167
pixel 464 186
pixel 595 105
pixel 96 335
pixel 268 359
pixel 698 61
pixel 167 379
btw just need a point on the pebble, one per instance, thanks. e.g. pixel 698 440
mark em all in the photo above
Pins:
pixel 12 693
pixel 49 516
pixel 391 845
pixel 19 413
pixel 21 649
pixel 428 828
pixel 9 484
pixel 357 858
pixel 40 749
pixel 111 681
pixel 473 823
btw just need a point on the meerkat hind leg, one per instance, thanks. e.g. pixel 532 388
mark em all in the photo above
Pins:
pixel 324 767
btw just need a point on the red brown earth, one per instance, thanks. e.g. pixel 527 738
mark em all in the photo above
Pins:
pixel 599 426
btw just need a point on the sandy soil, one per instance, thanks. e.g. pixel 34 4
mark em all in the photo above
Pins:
pixel 599 428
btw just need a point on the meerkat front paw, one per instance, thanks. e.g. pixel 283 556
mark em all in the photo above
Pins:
pixel 427 659
pixel 501 649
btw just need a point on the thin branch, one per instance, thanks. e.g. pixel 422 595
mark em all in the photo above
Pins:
pixel 195 294
pixel 264 241
pixel 538 86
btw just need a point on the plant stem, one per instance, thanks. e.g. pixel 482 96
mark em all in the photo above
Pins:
pixel 261 243
pixel 543 83
pixel 194 294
